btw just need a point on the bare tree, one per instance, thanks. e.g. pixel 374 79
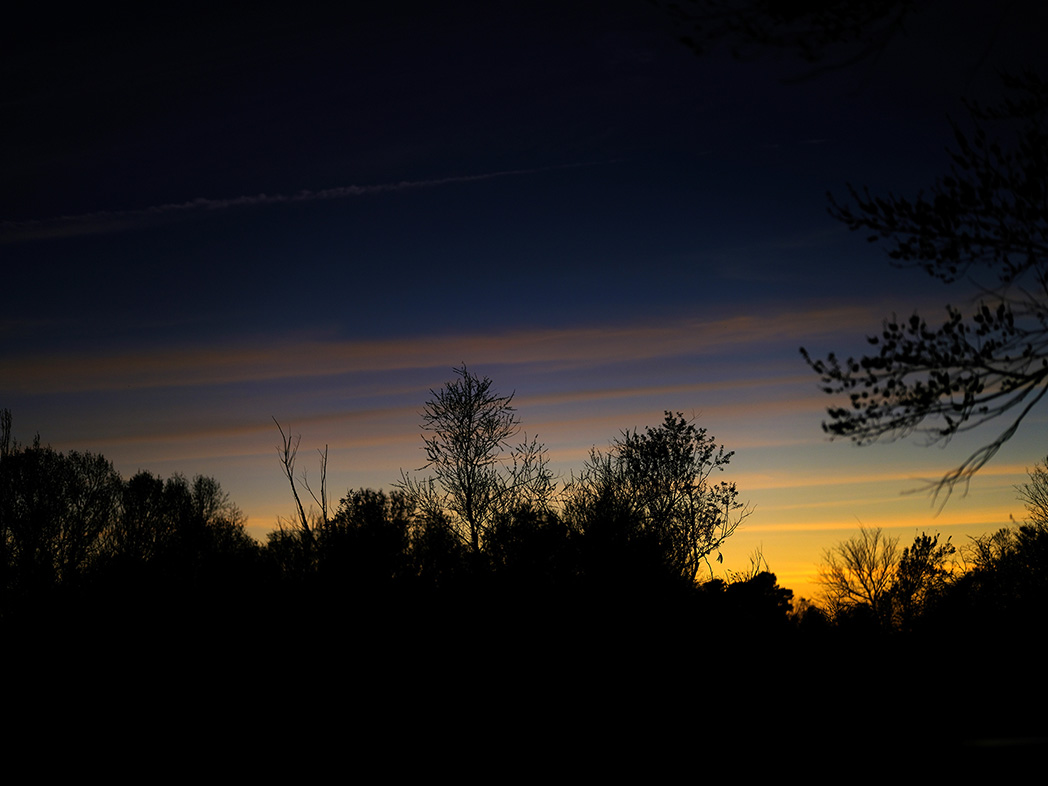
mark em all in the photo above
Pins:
pixel 476 472
pixel 860 572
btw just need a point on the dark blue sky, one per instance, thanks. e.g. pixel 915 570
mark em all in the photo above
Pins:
pixel 209 218
pixel 625 145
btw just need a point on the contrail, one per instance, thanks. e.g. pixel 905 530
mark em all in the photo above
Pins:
pixel 106 221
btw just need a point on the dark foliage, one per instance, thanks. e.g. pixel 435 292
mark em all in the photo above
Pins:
pixel 55 510
pixel 78 540
pixel 534 552
pixel 921 579
pixel 825 34
pixel 1004 593
pixel 367 540
pixel 655 492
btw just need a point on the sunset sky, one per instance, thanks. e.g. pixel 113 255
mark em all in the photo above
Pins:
pixel 207 222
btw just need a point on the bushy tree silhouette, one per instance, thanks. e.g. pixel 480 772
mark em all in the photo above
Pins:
pixel 922 578
pixel 146 526
pixel 533 552
pixel 367 541
pixel 54 510
pixel 74 533
pixel 654 491
pixel 1007 581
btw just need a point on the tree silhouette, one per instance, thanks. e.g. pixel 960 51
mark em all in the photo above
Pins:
pixel 146 527
pixel 1009 568
pixel 533 551
pixel 655 490
pixel 996 606
pixel 439 556
pixel 867 576
pixel 921 578
pixel 367 540
pixel 54 510
pixel 1034 495
pixel 990 214
pixel 751 606
pixel 176 540
pixel 477 474
pixel 859 573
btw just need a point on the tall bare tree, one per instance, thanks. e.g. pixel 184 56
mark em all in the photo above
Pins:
pixel 305 523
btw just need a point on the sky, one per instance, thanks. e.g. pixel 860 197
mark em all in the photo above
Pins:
pixel 209 221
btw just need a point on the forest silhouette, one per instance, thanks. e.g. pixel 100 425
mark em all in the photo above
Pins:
pixel 582 603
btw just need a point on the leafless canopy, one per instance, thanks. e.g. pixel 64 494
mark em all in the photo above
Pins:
pixel 859 571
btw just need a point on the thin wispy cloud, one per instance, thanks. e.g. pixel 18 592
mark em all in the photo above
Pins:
pixel 804 478
pixel 108 221
pixel 258 360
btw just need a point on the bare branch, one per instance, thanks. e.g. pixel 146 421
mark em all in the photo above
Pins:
pixel 287 451
pixel 989 214
pixel 322 499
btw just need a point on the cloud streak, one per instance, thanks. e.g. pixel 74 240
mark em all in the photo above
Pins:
pixel 108 221
pixel 565 348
